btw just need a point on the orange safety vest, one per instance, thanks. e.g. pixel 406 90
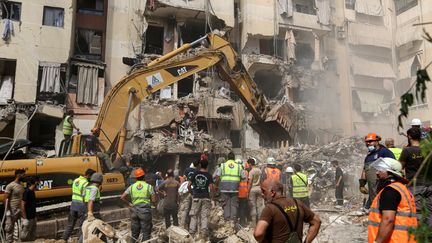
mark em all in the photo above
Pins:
pixel 273 173
pixel 243 187
pixel 405 217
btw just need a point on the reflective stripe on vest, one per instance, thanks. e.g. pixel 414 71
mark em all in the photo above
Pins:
pixel 405 216
pixel 78 188
pixel 243 188
pixel 140 193
pixel 300 189
pixel 67 126
pixel 87 193
pixel 273 173
pixel 230 171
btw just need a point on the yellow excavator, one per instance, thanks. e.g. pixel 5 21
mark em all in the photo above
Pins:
pixel 56 174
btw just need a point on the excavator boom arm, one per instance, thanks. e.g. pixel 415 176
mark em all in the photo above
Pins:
pixel 166 71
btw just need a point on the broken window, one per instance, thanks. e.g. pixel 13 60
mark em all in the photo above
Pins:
pixel 235 137
pixel 51 83
pixel 267 47
pixel 11 10
pixel 404 5
pixel 53 16
pixel 154 40
pixel 304 54
pixel 305 6
pixel 88 43
pixel 42 132
pixel 350 4
pixel 185 86
pixel 270 83
pixel 95 7
pixel 7 78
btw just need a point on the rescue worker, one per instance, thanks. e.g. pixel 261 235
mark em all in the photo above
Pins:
pixel 188 174
pixel 142 195
pixel 228 176
pixel 271 172
pixel 92 199
pixel 389 143
pixel 393 211
pixel 282 218
pixel 68 125
pixel 368 175
pixel 12 198
pixel 418 124
pixel 257 202
pixel 205 154
pixel 243 198
pixel 201 185
pixel 77 208
pixel 287 181
pixel 28 209
pixel 412 160
pixel 300 185
pixel 339 183
pixel 169 189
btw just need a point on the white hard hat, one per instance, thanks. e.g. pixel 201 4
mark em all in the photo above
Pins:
pixel 271 161
pixel 289 169
pixel 416 122
pixel 388 164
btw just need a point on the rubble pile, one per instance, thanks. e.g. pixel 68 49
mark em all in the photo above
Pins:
pixel 316 162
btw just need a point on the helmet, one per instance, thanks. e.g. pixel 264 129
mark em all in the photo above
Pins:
pixel 206 150
pixel 97 177
pixel 94 130
pixel 139 172
pixel 372 137
pixel 289 169
pixel 416 122
pixel 388 164
pixel 271 161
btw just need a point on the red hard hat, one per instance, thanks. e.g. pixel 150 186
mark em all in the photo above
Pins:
pixel 94 130
pixel 139 173
pixel 372 137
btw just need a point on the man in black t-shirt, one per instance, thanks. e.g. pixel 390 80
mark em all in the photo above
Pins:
pixel 28 208
pixel 202 187
pixel 339 183
pixel 188 173
pixel 411 159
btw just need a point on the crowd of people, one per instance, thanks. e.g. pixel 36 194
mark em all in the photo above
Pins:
pixel 272 199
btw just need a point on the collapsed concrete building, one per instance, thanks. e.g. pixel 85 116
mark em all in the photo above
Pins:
pixel 336 63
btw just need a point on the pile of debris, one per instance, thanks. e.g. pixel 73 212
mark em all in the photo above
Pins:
pixel 316 162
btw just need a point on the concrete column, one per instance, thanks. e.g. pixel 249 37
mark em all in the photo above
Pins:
pixel 20 122
pixel 316 65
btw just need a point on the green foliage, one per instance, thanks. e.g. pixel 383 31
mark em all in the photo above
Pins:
pixel 407 99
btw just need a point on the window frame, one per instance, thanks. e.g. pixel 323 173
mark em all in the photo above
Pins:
pixel 53 8
pixel 405 5
pixel 9 5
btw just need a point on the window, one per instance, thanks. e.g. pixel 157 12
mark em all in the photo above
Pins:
pixel 404 5
pixel 304 6
pixel 11 10
pixel 88 43
pixel 95 7
pixel 53 16
pixel 350 4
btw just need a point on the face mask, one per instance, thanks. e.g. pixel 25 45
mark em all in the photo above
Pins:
pixel 371 148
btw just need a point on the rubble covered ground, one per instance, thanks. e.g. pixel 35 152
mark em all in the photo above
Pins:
pixel 346 224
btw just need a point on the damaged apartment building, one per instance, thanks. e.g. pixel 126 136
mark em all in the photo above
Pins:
pixel 336 63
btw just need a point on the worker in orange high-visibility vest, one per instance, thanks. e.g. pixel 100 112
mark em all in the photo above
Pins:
pixel 243 195
pixel 271 171
pixel 393 211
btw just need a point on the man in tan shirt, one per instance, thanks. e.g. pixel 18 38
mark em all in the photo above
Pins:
pixel 12 198
pixel 255 191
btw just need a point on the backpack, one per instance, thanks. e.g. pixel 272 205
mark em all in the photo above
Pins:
pixel 293 237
